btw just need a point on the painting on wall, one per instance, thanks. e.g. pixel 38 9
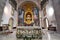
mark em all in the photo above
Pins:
pixel 20 17
pixel 36 16
pixel 28 18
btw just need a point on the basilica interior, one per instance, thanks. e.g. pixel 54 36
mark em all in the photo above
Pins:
pixel 29 20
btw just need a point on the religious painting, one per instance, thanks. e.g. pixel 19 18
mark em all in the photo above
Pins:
pixel 36 16
pixel 20 17
pixel 28 18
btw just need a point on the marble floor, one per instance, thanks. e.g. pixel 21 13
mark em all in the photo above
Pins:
pixel 47 35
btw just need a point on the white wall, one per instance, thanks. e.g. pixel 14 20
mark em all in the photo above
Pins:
pixel 51 17
pixel 7 15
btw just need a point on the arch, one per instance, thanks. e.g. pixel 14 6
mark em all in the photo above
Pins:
pixel 10 23
pixel 32 2
pixel 27 6
pixel 46 23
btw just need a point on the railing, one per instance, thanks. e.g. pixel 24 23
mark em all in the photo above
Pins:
pixel 29 32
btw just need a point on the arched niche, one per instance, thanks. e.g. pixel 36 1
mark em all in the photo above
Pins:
pixel 28 6
pixel 46 23
pixel 10 23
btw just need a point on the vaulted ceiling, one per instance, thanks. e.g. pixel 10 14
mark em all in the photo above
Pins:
pixel 28 5
pixel 14 3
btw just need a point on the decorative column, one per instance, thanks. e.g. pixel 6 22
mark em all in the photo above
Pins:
pixel 17 14
pixel 40 17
